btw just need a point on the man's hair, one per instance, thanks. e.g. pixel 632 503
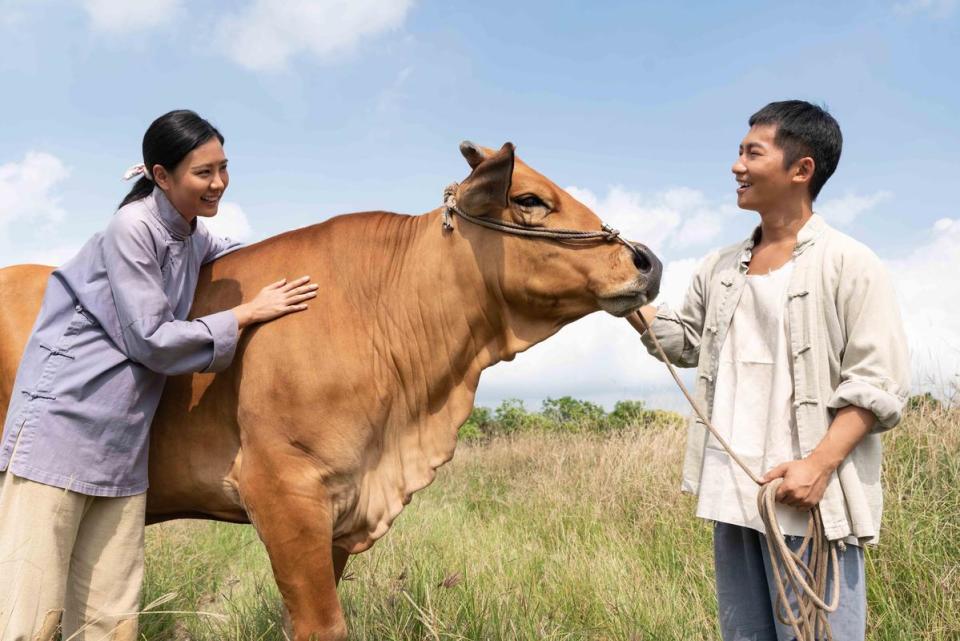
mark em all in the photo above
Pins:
pixel 804 130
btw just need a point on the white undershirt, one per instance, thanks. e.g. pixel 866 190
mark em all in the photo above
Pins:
pixel 753 407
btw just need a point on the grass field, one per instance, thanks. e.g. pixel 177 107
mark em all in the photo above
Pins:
pixel 545 535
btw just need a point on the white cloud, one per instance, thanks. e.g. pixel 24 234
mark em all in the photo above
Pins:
pixel 124 16
pixel 43 254
pixel 30 210
pixel 266 34
pixel 679 218
pixel 842 211
pixel 230 222
pixel 27 191
pixel 937 8
pixel 599 358
pixel 929 295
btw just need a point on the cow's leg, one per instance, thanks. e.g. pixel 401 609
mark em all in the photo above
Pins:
pixel 288 506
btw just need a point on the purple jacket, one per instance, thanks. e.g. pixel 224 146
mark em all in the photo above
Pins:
pixel 111 329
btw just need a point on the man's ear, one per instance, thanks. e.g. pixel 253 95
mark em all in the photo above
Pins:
pixel 803 169
pixel 486 189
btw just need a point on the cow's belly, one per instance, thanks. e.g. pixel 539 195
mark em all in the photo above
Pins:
pixel 195 451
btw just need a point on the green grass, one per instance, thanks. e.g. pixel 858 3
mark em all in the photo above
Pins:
pixel 562 536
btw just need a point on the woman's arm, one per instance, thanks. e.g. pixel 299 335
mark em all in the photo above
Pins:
pixel 151 334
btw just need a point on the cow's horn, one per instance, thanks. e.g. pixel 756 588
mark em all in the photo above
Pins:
pixel 473 153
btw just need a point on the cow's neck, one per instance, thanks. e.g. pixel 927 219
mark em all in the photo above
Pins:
pixel 436 324
pixel 444 314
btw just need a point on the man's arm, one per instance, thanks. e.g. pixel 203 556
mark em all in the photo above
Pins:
pixel 805 481
pixel 679 331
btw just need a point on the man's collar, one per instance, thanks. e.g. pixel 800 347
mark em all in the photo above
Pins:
pixel 808 234
pixel 161 207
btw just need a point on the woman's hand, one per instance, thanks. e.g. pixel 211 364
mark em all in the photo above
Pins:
pixel 276 300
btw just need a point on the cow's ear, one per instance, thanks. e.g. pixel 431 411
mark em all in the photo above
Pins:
pixel 486 189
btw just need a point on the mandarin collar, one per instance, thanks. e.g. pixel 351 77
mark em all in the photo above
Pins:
pixel 164 211
pixel 808 234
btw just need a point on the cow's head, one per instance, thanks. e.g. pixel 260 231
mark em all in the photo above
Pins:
pixel 548 278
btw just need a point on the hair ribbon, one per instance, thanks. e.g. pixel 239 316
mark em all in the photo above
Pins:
pixel 139 169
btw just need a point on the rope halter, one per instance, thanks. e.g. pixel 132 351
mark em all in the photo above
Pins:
pixel 450 208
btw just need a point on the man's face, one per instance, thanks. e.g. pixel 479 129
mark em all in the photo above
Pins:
pixel 762 180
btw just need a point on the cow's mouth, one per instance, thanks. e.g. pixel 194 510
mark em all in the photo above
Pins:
pixel 628 299
pixel 624 303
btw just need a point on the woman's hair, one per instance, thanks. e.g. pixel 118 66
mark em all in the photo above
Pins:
pixel 168 140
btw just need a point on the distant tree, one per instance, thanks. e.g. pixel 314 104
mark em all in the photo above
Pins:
pixel 564 414
pixel 630 414
pixel 571 414
pixel 512 416
pixel 925 401
pixel 479 425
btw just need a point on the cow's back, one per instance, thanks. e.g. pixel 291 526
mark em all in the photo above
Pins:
pixel 21 293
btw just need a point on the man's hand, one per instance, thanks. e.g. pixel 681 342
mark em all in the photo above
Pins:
pixel 804 482
pixel 649 312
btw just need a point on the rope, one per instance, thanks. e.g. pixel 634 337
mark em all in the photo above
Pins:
pixel 806 581
pixel 607 234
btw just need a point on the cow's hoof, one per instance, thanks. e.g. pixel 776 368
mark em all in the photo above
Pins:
pixel 335 633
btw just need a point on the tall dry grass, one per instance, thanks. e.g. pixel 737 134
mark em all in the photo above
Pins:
pixel 568 536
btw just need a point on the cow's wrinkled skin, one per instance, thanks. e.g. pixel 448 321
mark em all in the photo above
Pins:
pixel 330 419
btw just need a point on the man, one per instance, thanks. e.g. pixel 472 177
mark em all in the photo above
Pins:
pixel 802 363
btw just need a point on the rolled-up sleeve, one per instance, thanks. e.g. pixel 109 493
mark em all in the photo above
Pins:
pixel 680 332
pixel 875 364
pixel 151 334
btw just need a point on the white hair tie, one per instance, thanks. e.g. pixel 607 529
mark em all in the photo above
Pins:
pixel 139 169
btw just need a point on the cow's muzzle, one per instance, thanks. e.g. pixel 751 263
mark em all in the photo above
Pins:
pixel 650 268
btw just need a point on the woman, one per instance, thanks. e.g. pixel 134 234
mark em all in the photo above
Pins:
pixel 73 460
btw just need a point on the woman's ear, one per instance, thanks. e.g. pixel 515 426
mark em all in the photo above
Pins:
pixel 486 189
pixel 160 176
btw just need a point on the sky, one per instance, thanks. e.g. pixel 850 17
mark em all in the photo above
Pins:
pixel 637 108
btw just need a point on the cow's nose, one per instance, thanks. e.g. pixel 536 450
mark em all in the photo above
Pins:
pixel 643 258
pixel 650 267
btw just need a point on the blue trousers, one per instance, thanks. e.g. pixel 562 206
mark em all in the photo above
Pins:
pixel 746 596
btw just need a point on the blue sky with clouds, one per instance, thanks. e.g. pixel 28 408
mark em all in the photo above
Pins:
pixel 333 106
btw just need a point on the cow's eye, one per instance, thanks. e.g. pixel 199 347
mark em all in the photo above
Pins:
pixel 529 201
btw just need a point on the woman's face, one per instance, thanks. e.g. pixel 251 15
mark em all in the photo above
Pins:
pixel 196 185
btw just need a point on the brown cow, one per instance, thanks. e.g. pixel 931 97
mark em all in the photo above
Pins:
pixel 329 420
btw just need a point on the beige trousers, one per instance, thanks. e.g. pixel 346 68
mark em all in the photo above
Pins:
pixel 68 555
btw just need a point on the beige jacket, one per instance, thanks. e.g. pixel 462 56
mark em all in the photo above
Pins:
pixel 848 348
